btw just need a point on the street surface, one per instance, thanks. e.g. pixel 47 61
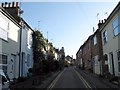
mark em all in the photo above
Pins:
pixel 73 77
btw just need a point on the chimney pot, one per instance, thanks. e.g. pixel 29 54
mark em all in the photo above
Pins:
pixel 99 21
pixel 102 21
pixel 2 4
pixel 105 20
pixel 5 4
pixel 12 4
pixel 9 4
pixel 16 4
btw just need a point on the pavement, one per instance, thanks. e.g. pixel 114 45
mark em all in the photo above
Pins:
pixel 48 80
pixel 102 79
pixel 36 82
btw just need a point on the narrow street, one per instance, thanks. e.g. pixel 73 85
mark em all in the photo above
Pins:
pixel 72 77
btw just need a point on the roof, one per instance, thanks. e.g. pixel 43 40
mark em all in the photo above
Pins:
pixel 26 24
pixel 111 15
pixel 9 16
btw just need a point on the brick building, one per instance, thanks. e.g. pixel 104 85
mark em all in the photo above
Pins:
pixel 97 52
pixel 79 58
pixel 87 55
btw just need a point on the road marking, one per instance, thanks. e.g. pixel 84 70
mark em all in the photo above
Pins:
pixel 54 82
pixel 83 80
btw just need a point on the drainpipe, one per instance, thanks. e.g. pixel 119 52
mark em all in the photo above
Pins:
pixel 20 50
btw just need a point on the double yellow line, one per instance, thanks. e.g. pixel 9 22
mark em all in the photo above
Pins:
pixel 54 82
pixel 80 77
pixel 83 80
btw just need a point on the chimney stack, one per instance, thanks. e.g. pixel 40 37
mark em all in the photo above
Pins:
pixel 100 23
pixel 13 9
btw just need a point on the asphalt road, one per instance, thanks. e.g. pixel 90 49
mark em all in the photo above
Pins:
pixel 73 78
pixel 69 78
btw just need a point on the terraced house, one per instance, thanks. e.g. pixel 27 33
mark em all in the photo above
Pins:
pixel 110 33
pixel 18 37
pixel 101 51
pixel 97 52
pixel 9 44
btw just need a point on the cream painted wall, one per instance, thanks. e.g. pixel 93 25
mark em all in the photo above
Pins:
pixel 112 44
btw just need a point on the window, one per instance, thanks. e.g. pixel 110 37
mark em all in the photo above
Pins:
pixel 96 59
pixel 29 40
pixel 105 37
pixel 3 28
pixel 116 28
pixel 3 63
pixel 95 40
pixel 118 56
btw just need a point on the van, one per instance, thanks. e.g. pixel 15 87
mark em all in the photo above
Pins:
pixel 4 82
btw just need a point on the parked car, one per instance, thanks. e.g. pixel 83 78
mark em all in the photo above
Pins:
pixel 4 82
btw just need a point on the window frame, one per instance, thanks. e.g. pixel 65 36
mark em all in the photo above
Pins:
pixel 104 34
pixel 95 40
pixel 3 64
pixel 3 29
pixel 116 27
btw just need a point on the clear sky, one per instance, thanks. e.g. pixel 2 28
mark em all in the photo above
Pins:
pixel 68 24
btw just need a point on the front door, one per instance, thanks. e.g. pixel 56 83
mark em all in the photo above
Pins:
pixel 111 60
pixel 12 66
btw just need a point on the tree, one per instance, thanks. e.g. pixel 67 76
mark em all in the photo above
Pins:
pixel 62 58
pixel 38 46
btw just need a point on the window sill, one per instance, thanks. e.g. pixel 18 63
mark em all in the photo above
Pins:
pixel 116 35
pixel 4 40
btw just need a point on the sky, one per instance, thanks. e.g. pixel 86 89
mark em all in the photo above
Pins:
pixel 68 24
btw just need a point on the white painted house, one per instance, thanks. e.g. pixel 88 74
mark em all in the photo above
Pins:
pixel 110 33
pixel 9 44
pixel 25 51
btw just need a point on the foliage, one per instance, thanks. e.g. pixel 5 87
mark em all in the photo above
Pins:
pixel 21 79
pixel 38 46
pixel 62 58
pixel 62 53
pixel 42 65
pixel 30 70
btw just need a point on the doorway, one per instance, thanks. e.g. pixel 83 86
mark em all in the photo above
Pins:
pixel 111 60
pixel 12 66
